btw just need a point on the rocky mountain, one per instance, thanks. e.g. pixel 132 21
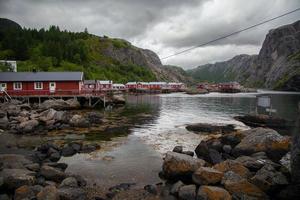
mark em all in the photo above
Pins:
pixel 99 57
pixel 277 66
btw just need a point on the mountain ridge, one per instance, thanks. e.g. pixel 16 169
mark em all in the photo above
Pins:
pixel 277 66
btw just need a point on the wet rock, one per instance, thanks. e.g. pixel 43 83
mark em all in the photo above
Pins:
pixel 69 182
pixel 251 163
pixel 240 186
pixel 208 154
pixel 231 165
pixel 14 161
pixel 4 197
pixel 28 126
pixel 68 151
pixel 190 153
pixel 207 176
pixel 54 157
pixel 79 121
pixel 231 139
pixel 24 192
pixel 95 117
pixel 201 150
pixel 267 178
pixel 60 116
pixel 212 193
pixel 178 149
pixel 4 122
pixel 14 178
pixel 51 173
pixel 36 189
pixel 286 161
pixel 33 167
pixel 87 148
pixel 262 121
pixel 76 146
pixel 151 189
pixel 80 180
pixel 209 128
pixel 61 166
pixel 187 192
pixel 262 139
pixel 227 149
pixel 178 165
pixel 47 115
pixel 48 193
pixel 2 113
pixel 175 187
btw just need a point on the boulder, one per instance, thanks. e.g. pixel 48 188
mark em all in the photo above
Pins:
pixel 60 104
pixel 201 150
pixel 52 173
pixel 2 113
pixel 15 178
pixel 231 165
pixel 207 176
pixel 68 151
pixel 4 122
pixel 79 121
pixel 33 167
pixel 175 187
pixel 231 139
pixel 118 99
pixel 206 192
pixel 4 197
pixel 178 165
pixel 210 128
pixel 69 182
pixel 227 149
pixel 251 163
pixel 262 121
pixel 54 157
pixel 14 161
pixel 267 178
pixel 48 193
pixel 190 153
pixel 87 148
pixel 95 117
pixel 187 192
pixel 24 192
pixel 71 193
pixel 47 115
pixel 178 149
pixel 28 126
pixel 286 161
pixel 239 186
pixel 152 189
pixel 262 139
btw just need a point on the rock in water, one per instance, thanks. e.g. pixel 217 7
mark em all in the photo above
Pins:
pixel 52 173
pixel 179 166
pixel 262 139
pixel 48 193
pixel 70 193
pixel 212 193
pixel 14 178
pixel 207 176
pixel 24 192
pixel 210 128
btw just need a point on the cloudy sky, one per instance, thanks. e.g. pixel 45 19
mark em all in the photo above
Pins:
pixel 164 26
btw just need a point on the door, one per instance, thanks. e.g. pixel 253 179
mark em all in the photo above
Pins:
pixel 52 87
pixel 3 87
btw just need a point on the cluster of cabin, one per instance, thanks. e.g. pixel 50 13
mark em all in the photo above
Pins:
pixel 71 83
pixel 220 87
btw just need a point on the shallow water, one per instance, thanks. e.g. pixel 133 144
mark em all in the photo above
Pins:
pixel 137 157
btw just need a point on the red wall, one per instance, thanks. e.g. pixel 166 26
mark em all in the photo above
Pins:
pixel 62 87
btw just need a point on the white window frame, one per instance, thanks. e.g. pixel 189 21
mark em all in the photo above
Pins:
pixel 36 86
pixel 3 88
pixel 15 86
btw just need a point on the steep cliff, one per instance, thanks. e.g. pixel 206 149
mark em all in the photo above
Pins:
pixel 277 65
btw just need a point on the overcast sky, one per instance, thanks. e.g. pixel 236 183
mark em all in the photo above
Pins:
pixel 164 26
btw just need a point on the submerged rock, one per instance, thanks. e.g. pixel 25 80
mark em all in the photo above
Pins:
pixel 210 128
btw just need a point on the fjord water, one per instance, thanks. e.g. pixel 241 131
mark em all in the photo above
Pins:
pixel 137 157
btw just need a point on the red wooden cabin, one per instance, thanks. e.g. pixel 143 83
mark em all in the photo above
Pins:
pixel 41 83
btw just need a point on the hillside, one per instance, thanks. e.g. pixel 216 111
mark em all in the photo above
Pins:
pixel 99 57
pixel 277 66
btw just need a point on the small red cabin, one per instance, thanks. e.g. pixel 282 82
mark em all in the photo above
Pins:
pixel 41 83
pixel 105 85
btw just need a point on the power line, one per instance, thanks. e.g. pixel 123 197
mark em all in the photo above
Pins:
pixel 236 32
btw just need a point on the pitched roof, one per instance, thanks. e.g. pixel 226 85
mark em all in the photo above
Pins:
pixel 40 76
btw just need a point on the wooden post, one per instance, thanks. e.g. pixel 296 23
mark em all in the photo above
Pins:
pixel 90 102
pixel 104 101
pixel 39 100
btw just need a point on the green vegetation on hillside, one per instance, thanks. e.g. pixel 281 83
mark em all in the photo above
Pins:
pixel 56 50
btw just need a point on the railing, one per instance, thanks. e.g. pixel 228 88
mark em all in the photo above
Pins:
pixel 37 93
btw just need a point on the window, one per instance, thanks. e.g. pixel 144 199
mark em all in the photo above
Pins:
pixel 3 86
pixel 38 85
pixel 17 86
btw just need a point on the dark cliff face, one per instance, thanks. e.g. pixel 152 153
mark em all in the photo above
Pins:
pixel 8 24
pixel 277 66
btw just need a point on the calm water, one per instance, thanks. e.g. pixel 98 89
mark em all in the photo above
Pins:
pixel 137 156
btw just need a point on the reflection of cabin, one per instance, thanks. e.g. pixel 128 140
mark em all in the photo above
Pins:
pixel 41 83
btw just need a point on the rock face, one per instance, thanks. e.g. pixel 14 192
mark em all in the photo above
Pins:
pixel 276 65
pixel 261 139
pixel 178 165
pixel 60 104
